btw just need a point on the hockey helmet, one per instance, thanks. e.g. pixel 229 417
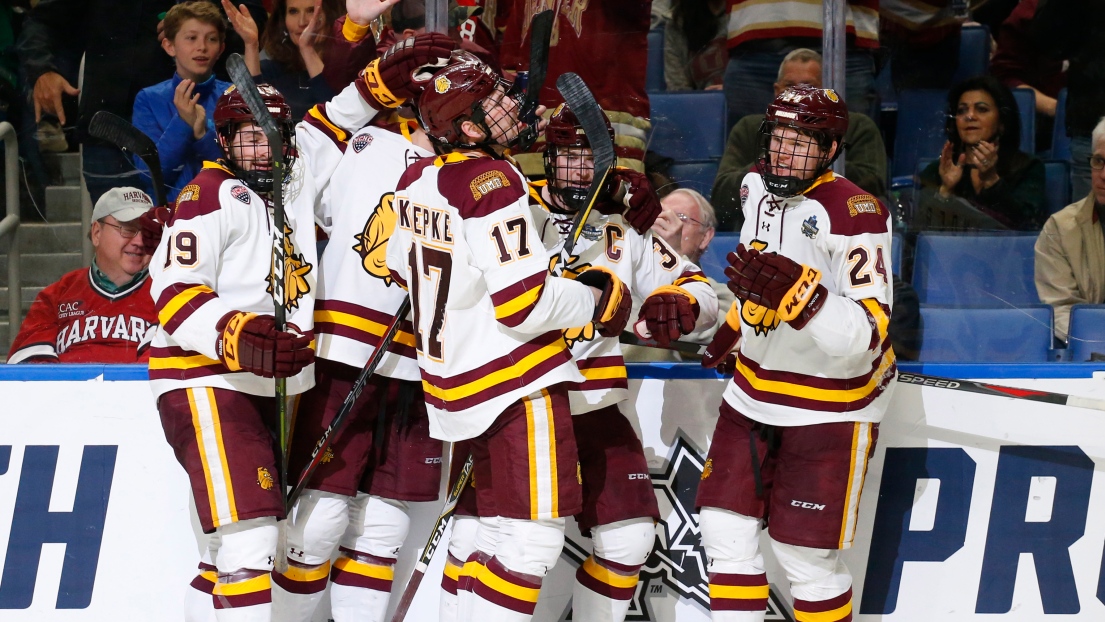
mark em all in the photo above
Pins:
pixel 791 162
pixel 469 90
pixel 232 114
pixel 569 166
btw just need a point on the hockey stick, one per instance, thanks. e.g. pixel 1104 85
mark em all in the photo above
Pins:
pixel 243 81
pixel 331 431
pixel 540 34
pixel 924 380
pixel 121 133
pixel 431 544
pixel 586 109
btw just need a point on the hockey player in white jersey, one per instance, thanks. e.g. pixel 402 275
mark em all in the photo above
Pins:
pixel 383 458
pixel 488 317
pixel 813 369
pixel 619 505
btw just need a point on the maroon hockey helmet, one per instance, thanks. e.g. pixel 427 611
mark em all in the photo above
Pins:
pixel 569 167
pixel 457 94
pixel 820 118
pixel 232 113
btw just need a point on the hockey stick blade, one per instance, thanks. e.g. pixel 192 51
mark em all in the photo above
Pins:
pixel 586 109
pixel 540 35
pixel 332 430
pixel 684 347
pixel 121 133
pixel 432 543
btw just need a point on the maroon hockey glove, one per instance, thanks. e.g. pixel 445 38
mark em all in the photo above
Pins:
pixel 250 342
pixel 612 310
pixel 153 223
pixel 720 354
pixel 631 195
pixel 771 280
pixel 407 67
pixel 667 313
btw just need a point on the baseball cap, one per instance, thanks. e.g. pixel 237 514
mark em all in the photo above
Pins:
pixel 125 204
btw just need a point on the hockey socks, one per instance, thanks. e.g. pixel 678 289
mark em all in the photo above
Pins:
pixel 243 596
pixel 603 590
pixel 738 597
pixel 360 586
pixel 198 606
pixel 297 591
pixel 502 595
pixel 838 609
pixel 447 610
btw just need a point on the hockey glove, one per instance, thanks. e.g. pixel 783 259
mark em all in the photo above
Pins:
pixel 631 195
pixel 407 67
pixel 250 342
pixel 667 313
pixel 615 303
pixel 721 353
pixel 771 280
pixel 153 223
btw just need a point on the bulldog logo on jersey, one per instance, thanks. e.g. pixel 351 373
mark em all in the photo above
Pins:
pixel 760 318
pixel 294 282
pixel 264 479
pixel 328 456
pixel 372 242
pixel 360 141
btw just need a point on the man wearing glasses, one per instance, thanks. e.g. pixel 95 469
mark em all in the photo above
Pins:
pixel 1070 252
pixel 98 314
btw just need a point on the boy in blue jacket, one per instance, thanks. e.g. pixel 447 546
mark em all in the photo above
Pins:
pixel 177 113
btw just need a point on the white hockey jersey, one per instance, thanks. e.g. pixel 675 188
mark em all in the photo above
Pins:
pixel 643 263
pixel 487 313
pixel 357 298
pixel 840 366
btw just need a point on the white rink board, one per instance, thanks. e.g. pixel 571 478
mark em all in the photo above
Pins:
pixel 998 493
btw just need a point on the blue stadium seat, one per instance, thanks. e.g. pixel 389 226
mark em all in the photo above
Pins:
pixel 1021 335
pixel 1086 332
pixel 974 53
pixel 897 243
pixel 975 270
pixel 1060 142
pixel 713 261
pixel 1026 107
pixel 888 97
pixel 695 175
pixel 1057 184
pixel 654 76
pixel 920 129
pixel 688 126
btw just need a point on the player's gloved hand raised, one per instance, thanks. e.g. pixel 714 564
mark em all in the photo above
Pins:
pixel 250 342
pixel 153 224
pixel 631 194
pixel 721 353
pixel 774 281
pixel 614 304
pixel 667 313
pixel 407 67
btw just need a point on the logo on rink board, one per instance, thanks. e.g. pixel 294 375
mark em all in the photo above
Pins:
pixel 677 562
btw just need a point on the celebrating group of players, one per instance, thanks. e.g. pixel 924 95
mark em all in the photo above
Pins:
pixel 510 352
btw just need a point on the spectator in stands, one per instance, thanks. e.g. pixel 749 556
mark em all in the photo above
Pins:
pixel 1075 30
pixel 309 55
pixel 865 163
pixel 982 179
pixel 121 57
pixel 1019 64
pixel 99 314
pixel 695 39
pixel 687 223
pixel 761 34
pixel 177 113
pixel 921 38
pixel 1070 252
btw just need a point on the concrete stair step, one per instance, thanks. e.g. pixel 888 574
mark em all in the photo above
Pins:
pixel 47 238
pixel 63 204
pixel 28 297
pixel 40 270
pixel 64 168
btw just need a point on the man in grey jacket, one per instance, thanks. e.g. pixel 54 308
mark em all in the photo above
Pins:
pixel 1070 252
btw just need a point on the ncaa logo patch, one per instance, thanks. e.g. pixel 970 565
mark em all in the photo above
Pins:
pixel 241 193
pixel 442 84
pixel 809 227
pixel 360 141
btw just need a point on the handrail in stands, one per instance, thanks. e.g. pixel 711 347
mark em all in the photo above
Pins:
pixel 10 224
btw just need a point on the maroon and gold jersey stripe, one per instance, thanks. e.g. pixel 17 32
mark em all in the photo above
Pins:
pixel 352 321
pixel 316 118
pixel 179 301
pixel 601 372
pixel 514 303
